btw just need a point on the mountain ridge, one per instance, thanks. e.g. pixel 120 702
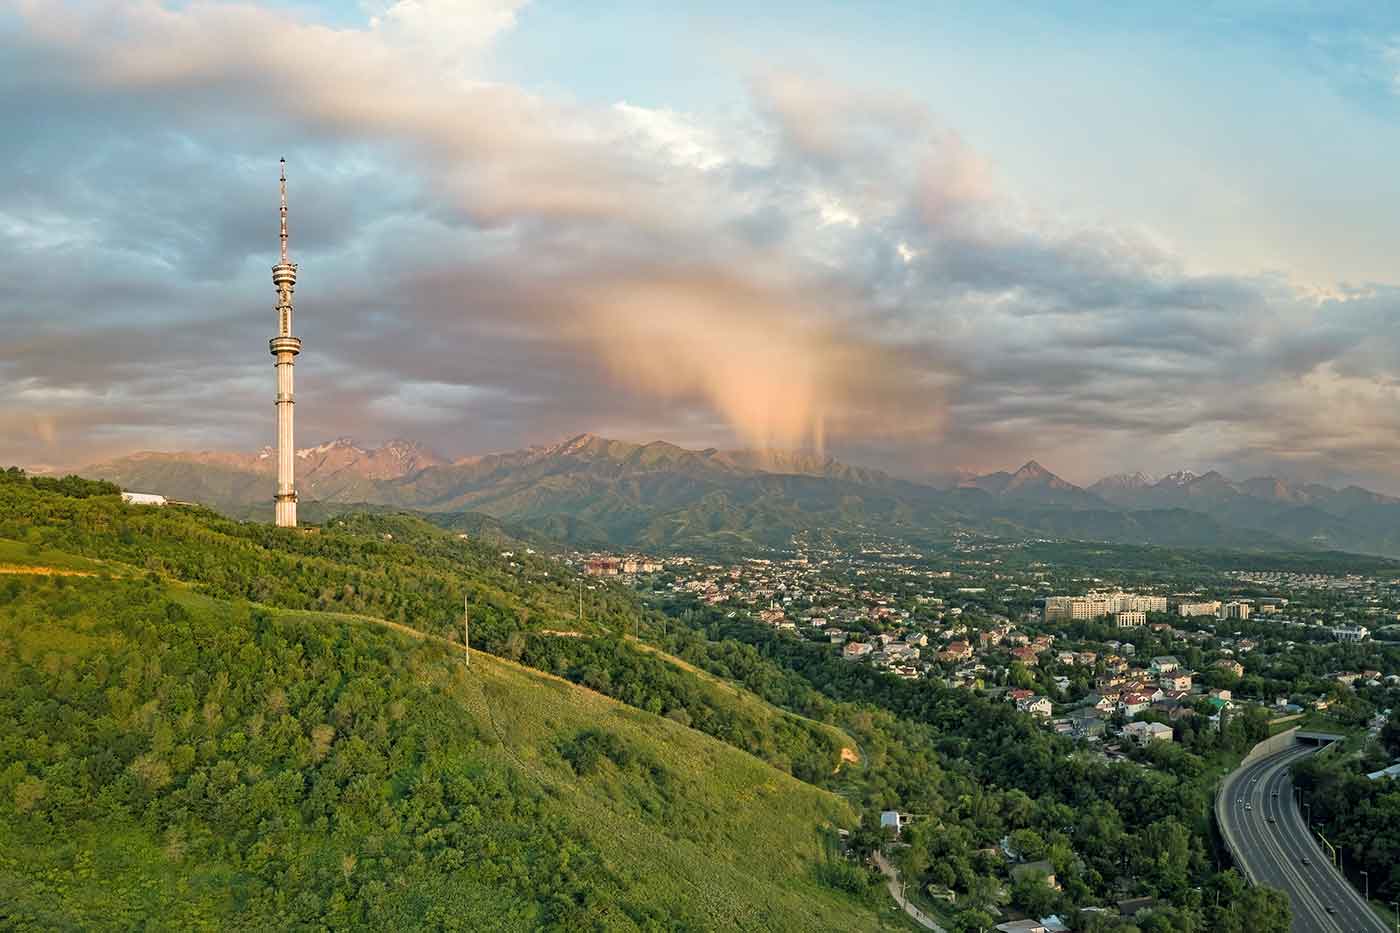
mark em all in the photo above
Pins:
pixel 591 490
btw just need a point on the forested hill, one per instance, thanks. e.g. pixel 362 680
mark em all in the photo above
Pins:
pixel 401 569
pixel 212 726
pixel 392 566
pixel 225 725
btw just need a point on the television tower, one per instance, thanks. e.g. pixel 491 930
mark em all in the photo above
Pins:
pixel 284 347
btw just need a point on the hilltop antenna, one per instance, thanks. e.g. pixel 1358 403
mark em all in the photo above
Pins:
pixel 284 348
pixel 466 633
pixel 283 184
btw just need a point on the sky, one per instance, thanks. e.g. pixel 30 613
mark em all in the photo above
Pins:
pixel 920 236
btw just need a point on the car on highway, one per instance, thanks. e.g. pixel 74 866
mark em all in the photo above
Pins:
pixel 1249 806
pixel 1306 860
pixel 1271 819
pixel 1330 909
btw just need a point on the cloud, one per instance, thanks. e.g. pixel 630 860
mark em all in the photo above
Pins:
pixel 484 266
pixel 673 136
pixel 784 376
pixel 447 30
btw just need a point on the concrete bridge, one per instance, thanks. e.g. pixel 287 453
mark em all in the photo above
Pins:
pixel 1316 738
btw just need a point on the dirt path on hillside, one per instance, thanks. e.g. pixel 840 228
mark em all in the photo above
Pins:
pixel 45 571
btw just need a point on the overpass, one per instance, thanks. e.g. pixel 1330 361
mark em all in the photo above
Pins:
pixel 1318 739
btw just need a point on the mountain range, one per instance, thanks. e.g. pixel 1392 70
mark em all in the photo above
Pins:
pixel 594 491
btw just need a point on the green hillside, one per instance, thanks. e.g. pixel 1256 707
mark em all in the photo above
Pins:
pixel 210 764
pixel 185 758
pixel 402 569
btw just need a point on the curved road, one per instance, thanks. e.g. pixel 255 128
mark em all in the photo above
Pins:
pixel 1273 853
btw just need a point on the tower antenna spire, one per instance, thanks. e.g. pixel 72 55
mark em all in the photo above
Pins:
pixel 283 184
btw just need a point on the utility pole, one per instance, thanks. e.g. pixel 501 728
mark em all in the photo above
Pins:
pixel 1396 905
pixel 466 633
pixel 580 601
pixel 1334 858
pixel 1366 877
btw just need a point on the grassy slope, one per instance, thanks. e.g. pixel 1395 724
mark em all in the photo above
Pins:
pixel 17 557
pixel 731 843
pixel 404 569
pixel 747 701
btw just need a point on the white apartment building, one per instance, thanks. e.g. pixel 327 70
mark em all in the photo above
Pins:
pixel 1131 619
pixel 1207 607
pixel 1097 605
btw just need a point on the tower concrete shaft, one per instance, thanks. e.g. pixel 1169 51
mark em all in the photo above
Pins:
pixel 284 348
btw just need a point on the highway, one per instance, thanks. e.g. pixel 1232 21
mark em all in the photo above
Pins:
pixel 1273 853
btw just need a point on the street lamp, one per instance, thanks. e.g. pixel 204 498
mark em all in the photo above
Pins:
pixel 1396 905
pixel 1366 876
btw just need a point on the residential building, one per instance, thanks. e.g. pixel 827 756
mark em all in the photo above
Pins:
pixel 1176 680
pixel 1236 610
pixel 956 651
pixel 1036 706
pixel 1144 733
pixel 1133 703
pixel 1231 666
pixel 1096 605
pixel 143 498
pixel 1132 618
pixel 771 616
